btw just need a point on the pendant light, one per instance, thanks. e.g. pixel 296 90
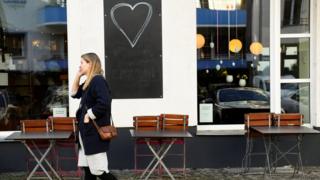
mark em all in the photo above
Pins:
pixel 200 41
pixel 256 48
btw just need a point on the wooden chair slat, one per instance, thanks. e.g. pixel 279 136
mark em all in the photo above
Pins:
pixel 146 123
pixel 288 119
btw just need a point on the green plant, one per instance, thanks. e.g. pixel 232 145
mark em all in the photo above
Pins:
pixel 225 73
pixel 243 76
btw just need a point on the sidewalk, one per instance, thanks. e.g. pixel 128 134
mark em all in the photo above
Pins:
pixel 310 173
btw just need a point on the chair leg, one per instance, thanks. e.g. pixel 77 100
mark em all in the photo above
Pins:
pixel 246 156
pixel 76 150
pixel 250 154
pixel 184 159
pixel 135 158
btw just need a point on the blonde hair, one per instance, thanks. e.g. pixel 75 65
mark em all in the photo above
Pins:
pixel 95 69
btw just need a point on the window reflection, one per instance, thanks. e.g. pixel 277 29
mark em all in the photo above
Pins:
pixel 33 60
pixel 295 16
pixel 296 99
pixel 295 58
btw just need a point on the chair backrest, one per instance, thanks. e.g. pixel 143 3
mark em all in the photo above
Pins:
pixel 146 123
pixel 34 125
pixel 288 119
pixel 176 122
pixel 63 124
pixel 257 119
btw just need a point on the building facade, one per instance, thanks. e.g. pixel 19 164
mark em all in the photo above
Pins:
pixel 40 57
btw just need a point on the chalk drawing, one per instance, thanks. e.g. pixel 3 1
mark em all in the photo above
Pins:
pixel 143 27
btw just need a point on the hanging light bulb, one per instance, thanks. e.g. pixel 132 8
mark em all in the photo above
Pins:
pixel 221 62
pixel 200 41
pixel 256 48
pixel 235 45
pixel 211 45
pixel 233 64
pixel 207 71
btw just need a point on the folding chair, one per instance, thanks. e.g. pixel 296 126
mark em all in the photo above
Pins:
pixel 254 119
pixel 68 124
pixel 290 119
pixel 176 122
pixel 37 125
pixel 144 123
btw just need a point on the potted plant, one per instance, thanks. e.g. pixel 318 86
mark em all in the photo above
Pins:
pixel 242 80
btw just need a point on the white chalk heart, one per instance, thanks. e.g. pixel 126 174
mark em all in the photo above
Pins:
pixel 143 27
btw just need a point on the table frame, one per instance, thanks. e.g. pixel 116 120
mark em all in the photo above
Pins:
pixel 270 140
pixel 41 157
pixel 163 150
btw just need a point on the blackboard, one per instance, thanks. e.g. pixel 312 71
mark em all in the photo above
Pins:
pixel 133 48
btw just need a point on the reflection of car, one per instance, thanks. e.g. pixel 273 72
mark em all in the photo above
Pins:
pixel 230 104
pixel 263 82
pixel 296 102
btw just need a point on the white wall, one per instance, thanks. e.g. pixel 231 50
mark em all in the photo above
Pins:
pixel 86 33
pixel 315 59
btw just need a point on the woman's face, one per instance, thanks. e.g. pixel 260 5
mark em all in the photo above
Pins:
pixel 84 67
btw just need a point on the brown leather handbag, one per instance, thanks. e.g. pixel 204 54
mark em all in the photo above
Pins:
pixel 106 132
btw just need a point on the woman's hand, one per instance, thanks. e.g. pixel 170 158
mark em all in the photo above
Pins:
pixel 86 118
pixel 79 74
pixel 75 84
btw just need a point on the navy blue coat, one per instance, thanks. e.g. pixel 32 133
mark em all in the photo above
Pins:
pixel 96 96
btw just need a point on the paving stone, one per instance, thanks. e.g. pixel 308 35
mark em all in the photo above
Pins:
pixel 310 173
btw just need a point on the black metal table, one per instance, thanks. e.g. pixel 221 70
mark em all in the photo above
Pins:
pixel 172 136
pixel 270 135
pixel 51 137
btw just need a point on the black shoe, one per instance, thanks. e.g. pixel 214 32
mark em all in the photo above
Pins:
pixel 107 176
pixel 88 175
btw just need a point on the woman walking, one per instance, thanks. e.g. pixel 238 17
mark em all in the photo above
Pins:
pixel 95 105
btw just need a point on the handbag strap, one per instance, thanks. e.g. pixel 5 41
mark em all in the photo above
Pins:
pixel 97 126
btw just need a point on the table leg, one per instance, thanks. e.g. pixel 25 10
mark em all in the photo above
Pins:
pixel 159 157
pixel 153 159
pixel 284 154
pixel 39 162
pixel 267 148
pixel 52 142
pixel 299 141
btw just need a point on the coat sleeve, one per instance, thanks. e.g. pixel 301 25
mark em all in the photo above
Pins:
pixel 101 92
pixel 79 92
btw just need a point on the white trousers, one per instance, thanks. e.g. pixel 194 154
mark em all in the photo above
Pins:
pixel 97 163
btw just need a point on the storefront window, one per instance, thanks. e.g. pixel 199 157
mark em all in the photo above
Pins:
pixel 295 57
pixel 33 60
pixel 234 62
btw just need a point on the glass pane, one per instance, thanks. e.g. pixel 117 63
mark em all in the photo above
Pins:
pixel 295 16
pixel 235 81
pixel 295 58
pixel 33 60
pixel 295 98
